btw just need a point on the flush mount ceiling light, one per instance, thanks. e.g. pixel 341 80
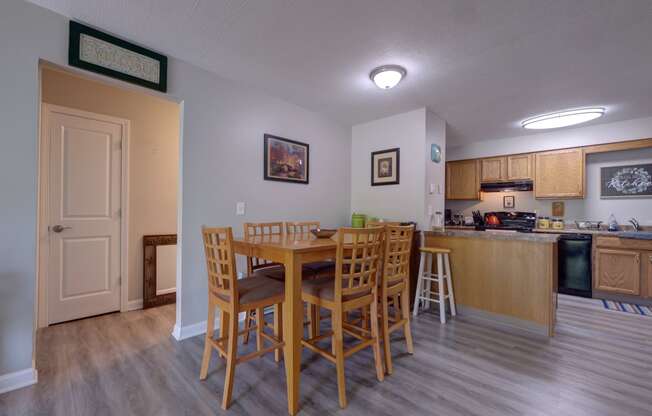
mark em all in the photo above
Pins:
pixel 562 118
pixel 387 76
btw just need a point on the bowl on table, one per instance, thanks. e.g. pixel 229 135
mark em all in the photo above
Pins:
pixel 323 232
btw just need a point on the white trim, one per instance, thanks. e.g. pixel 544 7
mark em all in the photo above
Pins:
pixel 43 245
pixel 184 332
pixel 18 379
pixel 166 291
pixel 134 305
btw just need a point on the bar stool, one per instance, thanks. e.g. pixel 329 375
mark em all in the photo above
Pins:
pixel 424 294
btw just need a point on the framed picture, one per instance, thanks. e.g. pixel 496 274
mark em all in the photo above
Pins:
pixel 96 51
pixel 509 201
pixel 632 181
pixel 286 160
pixel 385 167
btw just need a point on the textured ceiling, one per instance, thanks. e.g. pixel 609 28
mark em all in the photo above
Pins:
pixel 482 65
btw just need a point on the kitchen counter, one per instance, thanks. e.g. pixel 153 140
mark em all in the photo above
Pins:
pixel 507 278
pixel 470 232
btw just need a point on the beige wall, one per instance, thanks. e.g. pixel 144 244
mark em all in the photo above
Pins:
pixel 154 154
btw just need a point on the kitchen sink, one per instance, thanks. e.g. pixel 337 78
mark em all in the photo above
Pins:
pixel 636 235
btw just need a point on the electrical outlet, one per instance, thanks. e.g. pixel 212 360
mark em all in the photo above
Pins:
pixel 240 208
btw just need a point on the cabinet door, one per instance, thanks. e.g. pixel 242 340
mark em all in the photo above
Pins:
pixel 559 174
pixel 519 167
pixel 463 180
pixel 494 169
pixel 618 271
pixel 647 259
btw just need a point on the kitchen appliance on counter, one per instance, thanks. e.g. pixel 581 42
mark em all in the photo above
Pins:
pixel 512 220
pixel 574 267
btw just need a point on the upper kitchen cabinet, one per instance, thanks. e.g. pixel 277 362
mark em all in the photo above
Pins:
pixel 559 174
pixel 463 180
pixel 519 167
pixel 493 169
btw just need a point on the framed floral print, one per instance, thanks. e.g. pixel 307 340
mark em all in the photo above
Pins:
pixel 385 167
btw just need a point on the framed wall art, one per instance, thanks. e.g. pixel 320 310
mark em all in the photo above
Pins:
pixel 509 201
pixel 96 51
pixel 286 160
pixel 385 167
pixel 632 181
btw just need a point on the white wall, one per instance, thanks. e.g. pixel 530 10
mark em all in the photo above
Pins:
pixel 556 139
pixel 412 132
pixel 589 208
pixel 435 172
pixel 220 158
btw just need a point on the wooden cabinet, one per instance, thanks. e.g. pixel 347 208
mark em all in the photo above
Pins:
pixel 463 180
pixel 647 261
pixel 493 169
pixel 618 271
pixel 559 174
pixel 519 167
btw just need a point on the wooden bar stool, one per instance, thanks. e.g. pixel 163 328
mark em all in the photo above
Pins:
pixel 232 296
pixel 424 294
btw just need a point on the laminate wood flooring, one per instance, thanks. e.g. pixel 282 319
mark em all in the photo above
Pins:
pixel 599 363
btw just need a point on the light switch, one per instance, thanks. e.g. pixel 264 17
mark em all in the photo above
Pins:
pixel 432 188
pixel 240 208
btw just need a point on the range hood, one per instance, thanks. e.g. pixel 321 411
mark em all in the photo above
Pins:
pixel 511 186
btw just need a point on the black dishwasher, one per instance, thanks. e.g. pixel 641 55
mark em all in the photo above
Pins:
pixel 575 265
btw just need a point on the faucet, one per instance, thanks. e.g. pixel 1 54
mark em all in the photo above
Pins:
pixel 635 223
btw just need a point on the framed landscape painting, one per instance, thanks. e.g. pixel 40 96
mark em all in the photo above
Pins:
pixel 286 160
pixel 632 181
pixel 385 167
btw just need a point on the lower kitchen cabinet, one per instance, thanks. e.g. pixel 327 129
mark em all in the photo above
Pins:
pixel 618 271
pixel 647 259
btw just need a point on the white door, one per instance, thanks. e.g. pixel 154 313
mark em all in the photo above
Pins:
pixel 84 214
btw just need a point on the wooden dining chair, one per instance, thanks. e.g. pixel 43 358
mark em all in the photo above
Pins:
pixel 258 266
pixel 355 286
pixel 232 296
pixel 395 287
pixel 314 269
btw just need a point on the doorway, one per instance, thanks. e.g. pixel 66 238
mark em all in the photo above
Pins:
pixel 108 177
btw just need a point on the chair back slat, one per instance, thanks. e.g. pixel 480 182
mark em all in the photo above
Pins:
pixel 357 262
pixel 261 229
pixel 220 262
pixel 300 227
pixel 396 256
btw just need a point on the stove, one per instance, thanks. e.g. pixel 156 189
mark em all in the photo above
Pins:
pixel 508 220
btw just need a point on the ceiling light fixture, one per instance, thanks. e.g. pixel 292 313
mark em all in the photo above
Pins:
pixel 387 76
pixel 562 118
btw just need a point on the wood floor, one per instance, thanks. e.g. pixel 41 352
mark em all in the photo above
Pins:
pixel 600 363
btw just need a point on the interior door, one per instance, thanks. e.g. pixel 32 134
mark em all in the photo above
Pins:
pixel 84 215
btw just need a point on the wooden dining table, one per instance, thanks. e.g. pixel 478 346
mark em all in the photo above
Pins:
pixel 291 250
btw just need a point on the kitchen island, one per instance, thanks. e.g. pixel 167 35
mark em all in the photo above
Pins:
pixel 506 277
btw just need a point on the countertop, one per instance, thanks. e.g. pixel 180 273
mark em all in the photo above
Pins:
pixel 469 232
pixel 569 230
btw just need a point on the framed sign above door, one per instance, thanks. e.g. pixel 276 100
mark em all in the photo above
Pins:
pixel 96 51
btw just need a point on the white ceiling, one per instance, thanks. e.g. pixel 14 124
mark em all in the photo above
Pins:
pixel 482 65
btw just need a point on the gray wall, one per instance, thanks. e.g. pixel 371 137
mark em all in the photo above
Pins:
pixel 221 163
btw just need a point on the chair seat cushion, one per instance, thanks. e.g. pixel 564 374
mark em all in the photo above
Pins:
pixel 308 271
pixel 324 288
pixel 257 288
pixel 320 268
pixel 276 272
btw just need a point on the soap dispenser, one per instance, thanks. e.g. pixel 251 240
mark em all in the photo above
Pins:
pixel 613 224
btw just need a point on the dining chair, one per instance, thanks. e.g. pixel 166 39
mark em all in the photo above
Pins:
pixel 395 287
pixel 314 269
pixel 232 296
pixel 354 286
pixel 258 266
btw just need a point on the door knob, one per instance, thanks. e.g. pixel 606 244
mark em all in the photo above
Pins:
pixel 58 228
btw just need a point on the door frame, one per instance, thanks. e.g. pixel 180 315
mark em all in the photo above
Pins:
pixel 42 240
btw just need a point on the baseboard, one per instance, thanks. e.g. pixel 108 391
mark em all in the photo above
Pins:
pixel 18 379
pixel 184 332
pixel 134 305
pixel 166 291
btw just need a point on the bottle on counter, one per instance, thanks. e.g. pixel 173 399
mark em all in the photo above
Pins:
pixel 613 223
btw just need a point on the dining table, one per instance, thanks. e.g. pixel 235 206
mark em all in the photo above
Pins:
pixel 293 251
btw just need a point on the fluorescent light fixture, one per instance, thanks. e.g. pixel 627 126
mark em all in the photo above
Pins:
pixel 562 118
pixel 387 76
